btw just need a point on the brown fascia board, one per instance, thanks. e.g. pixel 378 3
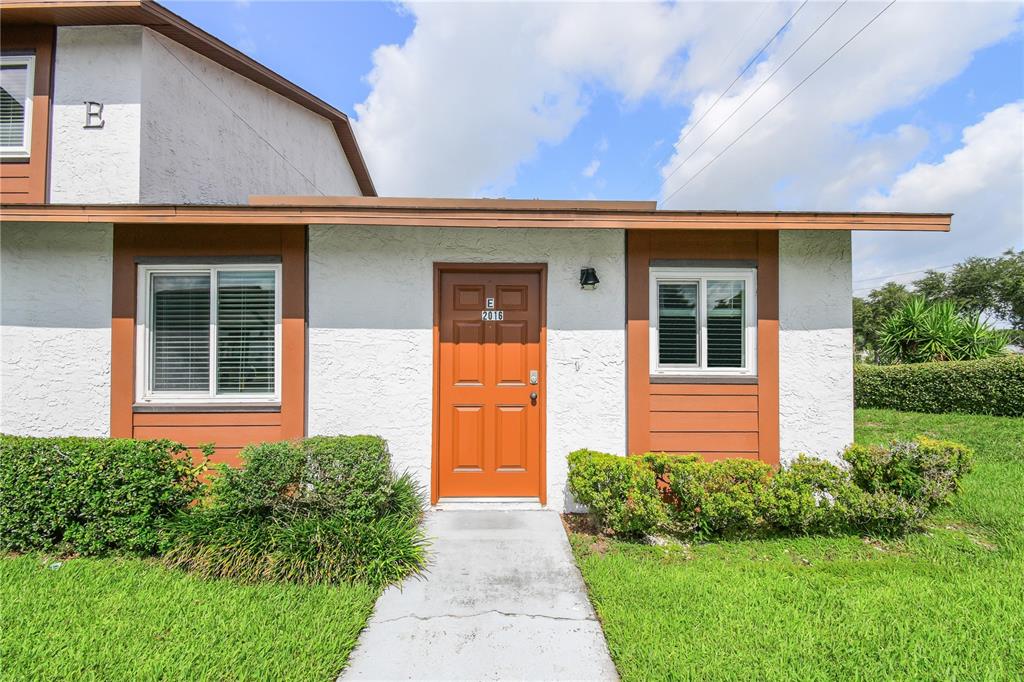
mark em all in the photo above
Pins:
pixel 160 19
pixel 477 213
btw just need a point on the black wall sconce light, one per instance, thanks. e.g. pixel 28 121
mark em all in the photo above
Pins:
pixel 588 279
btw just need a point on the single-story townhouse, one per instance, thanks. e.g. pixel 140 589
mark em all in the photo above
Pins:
pixel 166 273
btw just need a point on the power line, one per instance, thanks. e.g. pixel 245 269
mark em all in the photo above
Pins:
pixel 900 274
pixel 755 91
pixel 725 59
pixel 240 118
pixel 784 98
pixel 740 74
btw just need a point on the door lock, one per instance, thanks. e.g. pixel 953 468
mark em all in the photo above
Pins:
pixel 534 377
pixel 533 398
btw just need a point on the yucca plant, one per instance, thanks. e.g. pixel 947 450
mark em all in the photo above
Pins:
pixel 929 332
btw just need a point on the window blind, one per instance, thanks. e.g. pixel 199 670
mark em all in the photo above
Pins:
pixel 677 323
pixel 13 96
pixel 245 332
pixel 725 323
pixel 180 355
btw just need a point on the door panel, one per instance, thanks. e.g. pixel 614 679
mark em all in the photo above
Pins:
pixel 489 429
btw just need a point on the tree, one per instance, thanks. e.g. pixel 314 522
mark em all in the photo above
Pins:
pixel 927 332
pixel 869 313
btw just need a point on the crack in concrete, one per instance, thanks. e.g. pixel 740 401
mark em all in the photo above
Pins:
pixel 484 613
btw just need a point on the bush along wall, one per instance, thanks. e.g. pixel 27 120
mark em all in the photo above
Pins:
pixel 882 491
pixel 91 495
pixel 321 510
pixel 992 386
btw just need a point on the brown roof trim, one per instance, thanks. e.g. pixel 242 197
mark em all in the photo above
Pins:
pixel 482 213
pixel 162 20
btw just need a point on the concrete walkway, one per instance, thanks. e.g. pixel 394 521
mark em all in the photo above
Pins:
pixel 502 599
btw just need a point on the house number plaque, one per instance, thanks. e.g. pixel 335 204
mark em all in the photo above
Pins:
pixel 492 315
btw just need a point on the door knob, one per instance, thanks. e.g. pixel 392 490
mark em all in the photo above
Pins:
pixel 533 397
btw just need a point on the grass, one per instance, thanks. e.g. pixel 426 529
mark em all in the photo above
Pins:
pixel 946 603
pixel 124 619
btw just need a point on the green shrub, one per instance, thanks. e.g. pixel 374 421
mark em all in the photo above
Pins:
pixel 812 496
pixel 320 510
pixel 90 495
pixel 715 498
pixel 924 471
pixel 994 386
pixel 620 492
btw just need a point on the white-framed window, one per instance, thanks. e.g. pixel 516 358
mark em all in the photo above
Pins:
pixel 703 321
pixel 17 78
pixel 209 333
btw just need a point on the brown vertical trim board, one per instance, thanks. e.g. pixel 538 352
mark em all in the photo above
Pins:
pixel 717 420
pixel 768 346
pixel 24 181
pixel 232 428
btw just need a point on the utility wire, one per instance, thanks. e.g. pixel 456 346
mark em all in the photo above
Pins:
pixel 755 91
pixel 900 274
pixel 784 98
pixel 718 99
pixel 240 118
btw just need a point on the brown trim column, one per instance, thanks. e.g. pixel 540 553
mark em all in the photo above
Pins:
pixel 768 347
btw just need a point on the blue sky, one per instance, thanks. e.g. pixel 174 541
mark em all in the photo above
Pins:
pixel 587 101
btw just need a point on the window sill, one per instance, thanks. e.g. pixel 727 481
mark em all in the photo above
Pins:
pixel 205 407
pixel 15 158
pixel 702 379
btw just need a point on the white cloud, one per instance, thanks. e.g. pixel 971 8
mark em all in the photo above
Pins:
pixel 982 182
pixel 591 168
pixel 477 87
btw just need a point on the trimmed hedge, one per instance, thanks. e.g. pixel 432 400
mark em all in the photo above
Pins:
pixel 993 386
pixel 91 495
pixel 883 491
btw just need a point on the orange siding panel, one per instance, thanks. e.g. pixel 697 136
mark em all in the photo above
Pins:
pixel 223 436
pixel 703 403
pixel 682 422
pixel 703 389
pixel 207 419
pixel 704 442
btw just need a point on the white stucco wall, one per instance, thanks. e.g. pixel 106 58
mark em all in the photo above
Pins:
pixel 815 343
pixel 196 149
pixel 55 308
pixel 98 64
pixel 371 345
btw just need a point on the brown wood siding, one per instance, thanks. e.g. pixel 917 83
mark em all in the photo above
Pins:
pixel 228 430
pixel 715 420
pixel 23 181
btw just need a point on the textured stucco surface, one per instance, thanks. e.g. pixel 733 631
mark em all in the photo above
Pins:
pixel 371 343
pixel 196 150
pixel 55 287
pixel 815 343
pixel 96 165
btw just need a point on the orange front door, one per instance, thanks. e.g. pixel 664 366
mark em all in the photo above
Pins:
pixel 491 383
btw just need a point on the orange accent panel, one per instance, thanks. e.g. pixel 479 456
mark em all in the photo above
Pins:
pixel 703 389
pixel 703 403
pixel 229 431
pixel 715 420
pixel 704 442
pixel 488 433
pixel 23 181
pixel 703 421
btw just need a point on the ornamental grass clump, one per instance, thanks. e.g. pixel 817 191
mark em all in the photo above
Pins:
pixel 321 510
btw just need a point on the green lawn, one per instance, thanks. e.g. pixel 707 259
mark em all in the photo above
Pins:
pixel 944 604
pixel 111 619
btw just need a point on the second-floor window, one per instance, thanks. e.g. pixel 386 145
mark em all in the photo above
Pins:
pixel 17 75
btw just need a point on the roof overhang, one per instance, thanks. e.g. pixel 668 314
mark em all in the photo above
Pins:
pixel 479 213
pixel 152 15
